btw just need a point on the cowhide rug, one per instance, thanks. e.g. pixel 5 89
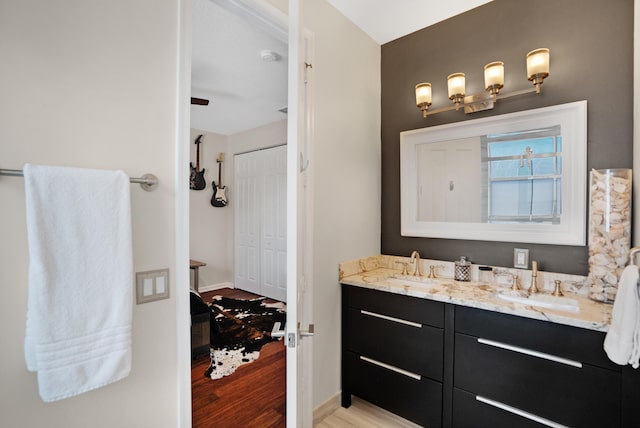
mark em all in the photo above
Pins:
pixel 244 327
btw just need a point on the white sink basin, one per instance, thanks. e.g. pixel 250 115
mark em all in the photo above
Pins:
pixel 416 280
pixel 542 301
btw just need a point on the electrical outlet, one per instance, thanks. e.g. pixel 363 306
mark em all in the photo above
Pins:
pixel 152 285
pixel 521 258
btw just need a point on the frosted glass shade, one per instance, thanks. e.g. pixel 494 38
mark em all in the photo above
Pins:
pixel 494 76
pixel 456 85
pixel 423 94
pixel 538 63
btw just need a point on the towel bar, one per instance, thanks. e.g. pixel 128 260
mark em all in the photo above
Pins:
pixel 148 182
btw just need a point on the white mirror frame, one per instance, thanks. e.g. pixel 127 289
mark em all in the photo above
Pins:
pixel 571 117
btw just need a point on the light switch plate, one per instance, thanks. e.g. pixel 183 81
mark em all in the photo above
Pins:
pixel 521 258
pixel 152 285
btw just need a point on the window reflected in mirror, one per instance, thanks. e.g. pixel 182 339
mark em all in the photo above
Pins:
pixel 524 176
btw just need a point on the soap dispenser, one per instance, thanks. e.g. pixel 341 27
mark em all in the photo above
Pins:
pixel 462 270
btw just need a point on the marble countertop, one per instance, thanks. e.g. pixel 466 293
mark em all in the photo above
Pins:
pixel 373 274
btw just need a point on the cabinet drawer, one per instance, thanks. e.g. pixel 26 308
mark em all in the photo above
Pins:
pixel 411 346
pixel 551 388
pixel 562 340
pixel 418 400
pixel 472 413
pixel 395 305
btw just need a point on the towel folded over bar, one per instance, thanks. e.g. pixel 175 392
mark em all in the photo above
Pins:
pixel 79 309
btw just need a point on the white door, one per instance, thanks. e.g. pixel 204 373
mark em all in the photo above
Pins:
pixel 260 180
pixel 450 181
pixel 247 223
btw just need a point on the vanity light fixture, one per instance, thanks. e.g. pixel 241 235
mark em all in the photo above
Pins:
pixel 423 96
pixel 537 71
pixel 456 86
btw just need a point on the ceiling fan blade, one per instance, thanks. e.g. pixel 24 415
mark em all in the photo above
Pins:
pixel 199 101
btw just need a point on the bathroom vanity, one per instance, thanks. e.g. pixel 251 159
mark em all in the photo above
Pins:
pixel 453 355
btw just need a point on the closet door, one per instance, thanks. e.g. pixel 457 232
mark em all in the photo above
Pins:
pixel 274 223
pixel 260 222
pixel 247 169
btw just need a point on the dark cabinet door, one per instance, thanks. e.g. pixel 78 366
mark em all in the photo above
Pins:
pixel 411 346
pixel 418 400
pixel 472 413
pixel 396 305
pixel 585 396
pixel 557 339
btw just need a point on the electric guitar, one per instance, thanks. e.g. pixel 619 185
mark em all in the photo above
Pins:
pixel 219 198
pixel 196 180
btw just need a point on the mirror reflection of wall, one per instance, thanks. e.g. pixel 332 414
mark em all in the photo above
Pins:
pixel 450 181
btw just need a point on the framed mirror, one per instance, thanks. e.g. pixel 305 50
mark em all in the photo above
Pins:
pixel 518 177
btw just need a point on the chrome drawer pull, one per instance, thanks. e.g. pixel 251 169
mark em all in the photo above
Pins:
pixel 392 368
pixel 388 318
pixel 532 353
pixel 519 412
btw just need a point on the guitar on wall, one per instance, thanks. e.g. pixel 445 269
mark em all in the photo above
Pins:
pixel 219 198
pixel 196 180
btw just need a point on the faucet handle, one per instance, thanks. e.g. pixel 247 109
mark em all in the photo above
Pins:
pixel 432 271
pixel 557 291
pixel 516 283
pixel 404 267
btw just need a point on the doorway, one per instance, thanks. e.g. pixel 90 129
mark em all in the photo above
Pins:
pixel 239 69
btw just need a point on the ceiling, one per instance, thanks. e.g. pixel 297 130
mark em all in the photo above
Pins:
pixel 245 91
pixel 386 20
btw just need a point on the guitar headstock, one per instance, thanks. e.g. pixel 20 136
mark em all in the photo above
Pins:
pixel 198 139
pixel 219 159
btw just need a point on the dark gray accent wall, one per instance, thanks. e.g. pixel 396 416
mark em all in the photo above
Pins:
pixel 591 43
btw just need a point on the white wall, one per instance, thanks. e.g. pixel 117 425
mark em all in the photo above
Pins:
pixel 91 84
pixel 274 134
pixel 347 174
pixel 211 228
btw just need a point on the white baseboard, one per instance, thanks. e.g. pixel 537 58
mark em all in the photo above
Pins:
pixel 326 408
pixel 213 287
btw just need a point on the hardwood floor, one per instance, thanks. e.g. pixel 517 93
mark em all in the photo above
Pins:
pixel 253 396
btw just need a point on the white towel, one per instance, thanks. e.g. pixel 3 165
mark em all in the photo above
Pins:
pixel 622 343
pixel 79 309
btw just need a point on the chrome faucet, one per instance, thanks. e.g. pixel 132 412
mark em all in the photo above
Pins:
pixel 415 258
